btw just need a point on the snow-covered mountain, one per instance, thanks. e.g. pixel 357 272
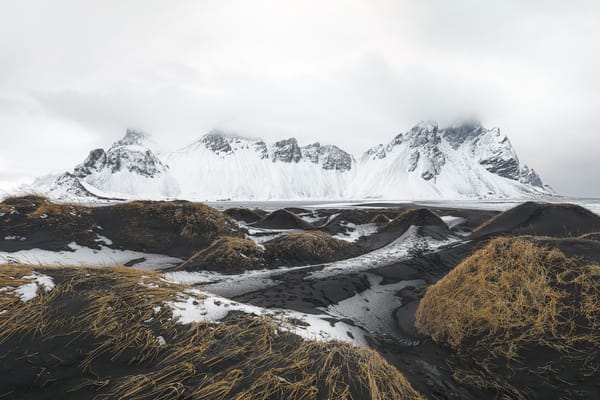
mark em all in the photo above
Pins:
pixel 464 160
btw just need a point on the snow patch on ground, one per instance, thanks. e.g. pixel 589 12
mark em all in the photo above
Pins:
pixel 194 305
pixel 453 221
pixel 397 250
pixel 373 308
pixel 230 285
pixel 28 291
pixel 310 217
pixel 14 237
pixel 356 231
pixel 89 257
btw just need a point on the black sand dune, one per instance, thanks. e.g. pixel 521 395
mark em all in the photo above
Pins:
pixel 34 222
pixel 431 225
pixel 542 219
pixel 176 228
pixel 246 215
pixel 227 255
pixel 283 219
pixel 309 247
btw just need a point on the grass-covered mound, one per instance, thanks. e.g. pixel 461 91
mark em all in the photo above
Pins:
pixel 542 219
pixel 310 247
pixel 177 228
pixel 413 217
pixel 522 318
pixel 227 254
pixel 33 221
pixel 380 219
pixel 283 219
pixel 107 333
pixel 245 214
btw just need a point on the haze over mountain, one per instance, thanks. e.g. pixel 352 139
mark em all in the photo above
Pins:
pixel 74 76
pixel 461 161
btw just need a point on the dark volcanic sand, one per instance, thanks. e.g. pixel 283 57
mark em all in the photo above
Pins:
pixel 423 362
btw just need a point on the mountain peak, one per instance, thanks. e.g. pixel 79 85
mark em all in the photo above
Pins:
pixel 427 126
pixel 133 137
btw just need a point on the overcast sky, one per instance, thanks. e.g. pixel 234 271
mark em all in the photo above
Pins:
pixel 75 74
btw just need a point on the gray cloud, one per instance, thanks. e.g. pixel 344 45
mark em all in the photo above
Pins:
pixel 74 75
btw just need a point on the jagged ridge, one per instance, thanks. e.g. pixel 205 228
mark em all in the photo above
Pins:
pixel 464 160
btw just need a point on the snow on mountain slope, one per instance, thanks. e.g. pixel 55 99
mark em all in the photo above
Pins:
pixel 462 161
pixel 465 161
pixel 128 169
pixel 222 167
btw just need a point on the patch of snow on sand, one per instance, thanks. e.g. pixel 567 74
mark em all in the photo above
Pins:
pixel 397 250
pixel 310 217
pixel 230 285
pixel 29 290
pixel 373 308
pixel 261 235
pixel 452 221
pixel 356 231
pixel 89 257
pixel 195 305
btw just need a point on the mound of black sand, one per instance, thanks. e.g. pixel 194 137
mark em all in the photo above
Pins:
pixel 428 223
pixel 338 221
pixel 310 247
pixel 246 214
pixel 380 219
pixel 408 218
pixel 297 210
pixel 34 222
pixel 177 228
pixel 226 255
pixel 542 219
pixel 283 219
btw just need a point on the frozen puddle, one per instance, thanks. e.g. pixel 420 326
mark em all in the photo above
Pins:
pixel 89 257
pixel 194 305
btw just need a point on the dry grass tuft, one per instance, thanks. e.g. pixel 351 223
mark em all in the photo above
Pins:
pixel 108 317
pixel 227 254
pixel 169 227
pixel 309 246
pixel 418 217
pixel 380 219
pixel 510 298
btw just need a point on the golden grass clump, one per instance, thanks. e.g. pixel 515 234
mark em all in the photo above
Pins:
pixel 100 328
pixel 309 246
pixel 162 225
pixel 514 296
pixel 419 217
pixel 380 219
pixel 227 254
